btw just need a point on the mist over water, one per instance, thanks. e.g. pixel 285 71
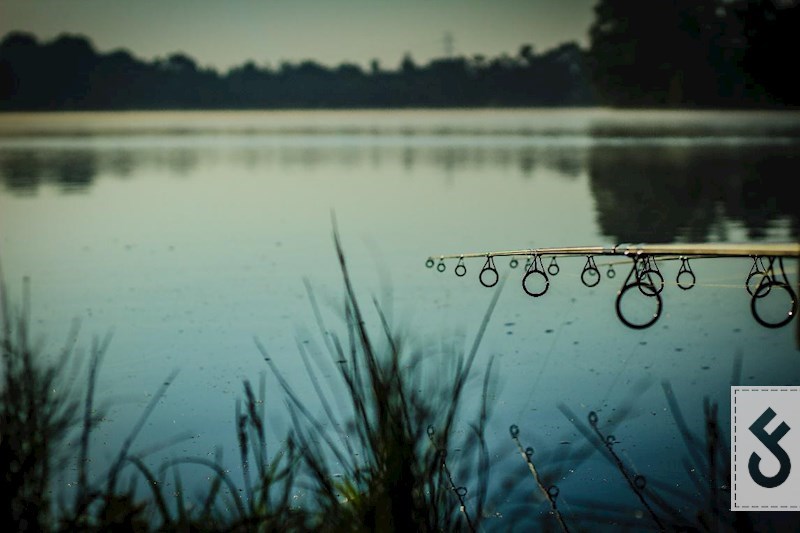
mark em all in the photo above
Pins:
pixel 188 234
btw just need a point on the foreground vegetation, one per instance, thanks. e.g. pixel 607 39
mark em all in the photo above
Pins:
pixel 389 445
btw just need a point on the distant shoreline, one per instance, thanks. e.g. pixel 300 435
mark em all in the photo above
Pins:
pixel 410 109
pixel 409 123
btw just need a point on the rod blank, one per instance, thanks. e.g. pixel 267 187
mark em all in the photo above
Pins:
pixel 645 275
pixel 627 250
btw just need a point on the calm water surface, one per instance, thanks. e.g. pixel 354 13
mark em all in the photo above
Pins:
pixel 189 234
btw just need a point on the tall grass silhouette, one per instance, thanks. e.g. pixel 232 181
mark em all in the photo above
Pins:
pixel 377 463
pixel 385 444
pixel 390 442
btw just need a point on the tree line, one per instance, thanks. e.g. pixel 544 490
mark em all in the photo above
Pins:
pixel 659 53
pixel 695 53
pixel 68 73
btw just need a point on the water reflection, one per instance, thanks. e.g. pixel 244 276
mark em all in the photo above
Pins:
pixel 21 171
pixel 189 245
pixel 24 170
pixel 643 192
pixel 663 194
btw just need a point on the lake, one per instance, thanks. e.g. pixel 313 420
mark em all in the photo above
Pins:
pixel 187 234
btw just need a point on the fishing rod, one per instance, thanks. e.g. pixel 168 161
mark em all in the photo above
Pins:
pixel 767 274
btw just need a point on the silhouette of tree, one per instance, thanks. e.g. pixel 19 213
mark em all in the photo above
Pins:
pixel 632 51
pixel 688 53
pixel 692 53
pixel 526 53
pixel 69 74
pixel 770 27
pixel 181 63
pixel 375 67
pixel 20 54
pixel 407 66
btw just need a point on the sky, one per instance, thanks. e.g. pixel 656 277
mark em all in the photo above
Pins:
pixel 225 33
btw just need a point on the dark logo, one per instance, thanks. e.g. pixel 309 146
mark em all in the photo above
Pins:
pixel 770 440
